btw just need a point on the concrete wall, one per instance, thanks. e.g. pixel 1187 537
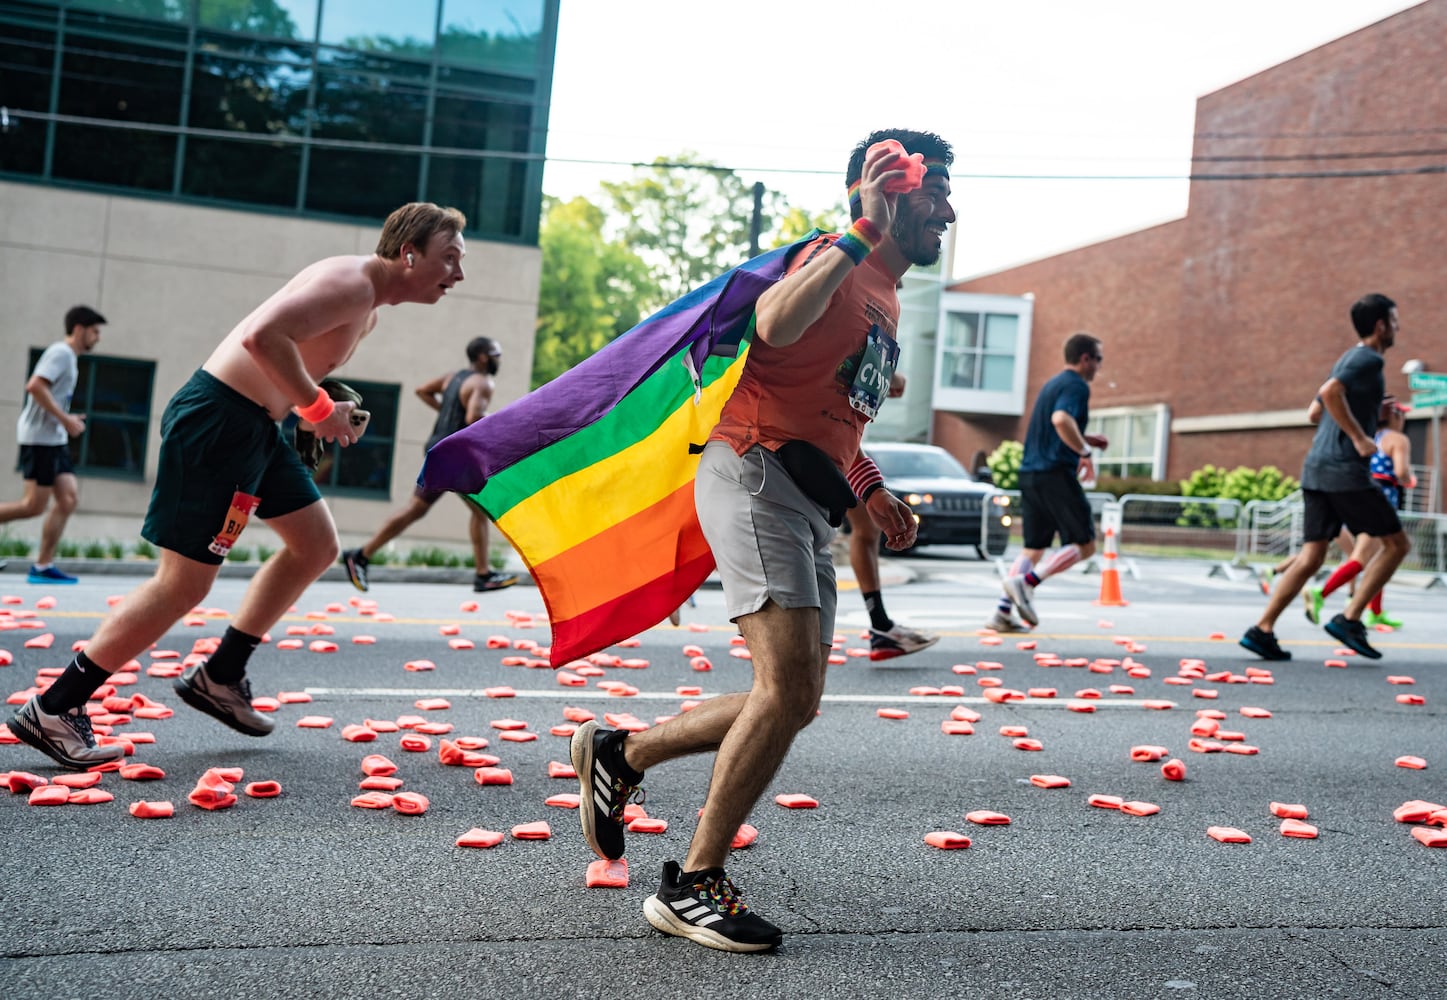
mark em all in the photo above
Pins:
pixel 173 279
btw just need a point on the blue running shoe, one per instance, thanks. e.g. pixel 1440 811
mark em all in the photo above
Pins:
pixel 49 574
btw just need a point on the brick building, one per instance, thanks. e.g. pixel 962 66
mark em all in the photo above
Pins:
pixel 1313 182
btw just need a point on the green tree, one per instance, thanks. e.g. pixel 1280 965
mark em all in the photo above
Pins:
pixel 689 219
pixel 1004 463
pixel 591 289
pixel 795 223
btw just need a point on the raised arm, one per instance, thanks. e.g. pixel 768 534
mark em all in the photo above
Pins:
pixel 796 302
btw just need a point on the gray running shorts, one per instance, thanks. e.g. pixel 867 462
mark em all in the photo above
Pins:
pixel 770 541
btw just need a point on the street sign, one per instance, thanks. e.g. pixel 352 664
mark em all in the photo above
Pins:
pixel 1427 381
pixel 1426 400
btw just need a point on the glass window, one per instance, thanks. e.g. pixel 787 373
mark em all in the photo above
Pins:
pixel 381 26
pixel 979 351
pixel 159 10
pixel 296 19
pixel 365 468
pixel 1134 451
pixel 367 107
pixel 121 81
pixel 489 191
pixel 366 185
pixel 491 32
pixel 115 396
pixel 255 97
pixel 27 59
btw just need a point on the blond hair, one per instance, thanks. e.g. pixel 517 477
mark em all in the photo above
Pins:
pixel 417 223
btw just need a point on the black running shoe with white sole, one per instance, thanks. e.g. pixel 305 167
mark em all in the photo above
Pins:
pixel 66 738
pixel 230 703
pixel 1352 634
pixel 607 784
pixel 1264 644
pixel 707 908
pixel 356 564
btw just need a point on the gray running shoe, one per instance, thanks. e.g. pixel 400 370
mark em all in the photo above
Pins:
pixel 1002 622
pixel 66 739
pixel 1023 595
pixel 230 703
pixel 898 641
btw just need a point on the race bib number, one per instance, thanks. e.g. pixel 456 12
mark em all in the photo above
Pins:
pixel 243 505
pixel 876 367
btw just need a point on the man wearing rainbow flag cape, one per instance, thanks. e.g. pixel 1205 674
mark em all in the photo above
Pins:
pixel 777 472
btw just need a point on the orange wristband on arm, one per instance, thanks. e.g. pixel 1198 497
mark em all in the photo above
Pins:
pixel 319 409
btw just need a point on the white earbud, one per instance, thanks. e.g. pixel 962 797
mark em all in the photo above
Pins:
pixel 411 261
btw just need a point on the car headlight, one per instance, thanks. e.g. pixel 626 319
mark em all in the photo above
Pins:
pixel 916 499
pixel 1000 500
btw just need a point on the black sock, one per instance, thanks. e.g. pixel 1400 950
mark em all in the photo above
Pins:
pixel 620 761
pixel 228 664
pixel 878 617
pixel 73 688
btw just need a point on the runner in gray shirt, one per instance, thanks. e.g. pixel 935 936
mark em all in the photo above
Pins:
pixel 43 432
pixel 1337 484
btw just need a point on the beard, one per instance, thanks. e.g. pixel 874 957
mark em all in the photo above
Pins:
pixel 909 235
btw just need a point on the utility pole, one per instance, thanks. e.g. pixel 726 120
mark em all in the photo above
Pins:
pixel 756 224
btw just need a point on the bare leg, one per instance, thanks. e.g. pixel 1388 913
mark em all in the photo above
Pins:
pixel 864 549
pixel 477 532
pixel 397 523
pixel 32 504
pixel 789 663
pixel 1293 578
pixel 1378 572
pixel 67 495
pixel 309 546
pixel 150 610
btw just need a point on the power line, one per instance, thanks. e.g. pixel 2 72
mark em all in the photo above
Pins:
pixel 273 138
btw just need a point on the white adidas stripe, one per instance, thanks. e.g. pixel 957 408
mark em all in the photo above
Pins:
pixel 695 911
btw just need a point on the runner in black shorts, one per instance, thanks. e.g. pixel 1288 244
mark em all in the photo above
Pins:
pixel 1337 484
pixel 1057 453
pixel 223 460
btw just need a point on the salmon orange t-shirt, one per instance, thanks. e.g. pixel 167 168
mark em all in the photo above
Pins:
pixel 801 392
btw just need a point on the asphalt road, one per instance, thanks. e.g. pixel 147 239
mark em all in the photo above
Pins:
pixel 305 896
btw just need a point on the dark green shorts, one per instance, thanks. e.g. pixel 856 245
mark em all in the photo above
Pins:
pixel 222 459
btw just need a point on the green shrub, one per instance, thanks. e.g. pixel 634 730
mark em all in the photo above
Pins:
pixel 238 553
pixel 115 550
pixel 93 549
pixel 67 549
pixel 18 547
pixel 1241 483
pixel 145 550
pixel 431 555
pixel 264 552
pixel 1119 487
pixel 1004 463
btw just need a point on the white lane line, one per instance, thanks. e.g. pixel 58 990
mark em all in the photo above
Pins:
pixel 575 694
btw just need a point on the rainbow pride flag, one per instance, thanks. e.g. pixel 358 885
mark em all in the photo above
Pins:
pixel 591 476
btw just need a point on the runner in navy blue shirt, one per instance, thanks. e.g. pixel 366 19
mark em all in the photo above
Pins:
pixel 1057 457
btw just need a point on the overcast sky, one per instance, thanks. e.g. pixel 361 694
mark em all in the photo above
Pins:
pixel 1037 90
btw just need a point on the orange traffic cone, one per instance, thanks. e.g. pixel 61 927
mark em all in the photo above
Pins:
pixel 1110 576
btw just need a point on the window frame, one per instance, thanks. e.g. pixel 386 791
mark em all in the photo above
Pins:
pixel 373 437
pixel 1116 423
pixel 1008 402
pixel 79 446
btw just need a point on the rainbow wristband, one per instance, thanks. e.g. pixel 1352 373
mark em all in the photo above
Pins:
pixel 319 409
pixel 860 241
pixel 864 478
